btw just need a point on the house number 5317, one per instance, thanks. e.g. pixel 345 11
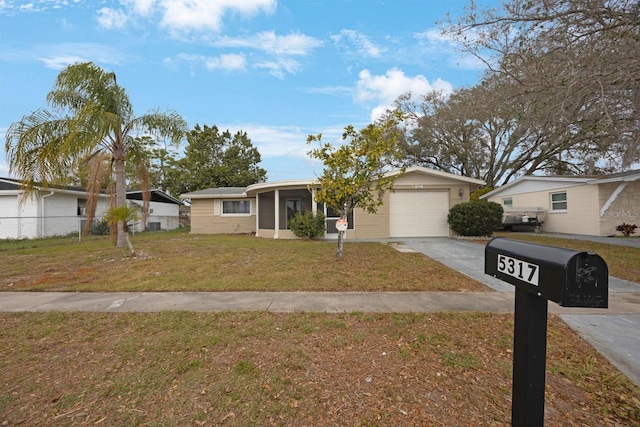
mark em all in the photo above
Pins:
pixel 519 269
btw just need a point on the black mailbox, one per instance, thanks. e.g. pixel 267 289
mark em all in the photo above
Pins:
pixel 567 277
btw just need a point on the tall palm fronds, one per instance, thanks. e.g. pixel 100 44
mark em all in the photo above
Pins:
pixel 91 115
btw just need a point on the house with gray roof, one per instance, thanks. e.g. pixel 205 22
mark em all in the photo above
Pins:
pixel 417 206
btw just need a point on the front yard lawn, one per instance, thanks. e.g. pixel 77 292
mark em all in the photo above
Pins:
pixel 178 261
pixel 313 369
pixel 259 368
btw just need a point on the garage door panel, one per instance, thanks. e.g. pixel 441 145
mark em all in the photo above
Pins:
pixel 419 213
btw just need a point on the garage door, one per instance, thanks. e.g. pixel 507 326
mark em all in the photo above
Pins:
pixel 419 213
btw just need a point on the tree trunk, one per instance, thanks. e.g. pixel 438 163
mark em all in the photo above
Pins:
pixel 340 244
pixel 121 191
pixel 343 218
pixel 133 251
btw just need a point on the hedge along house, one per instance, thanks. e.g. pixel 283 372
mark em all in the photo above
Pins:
pixel 576 204
pixel 417 207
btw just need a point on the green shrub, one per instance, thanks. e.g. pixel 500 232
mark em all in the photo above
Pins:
pixel 475 218
pixel 99 227
pixel 307 225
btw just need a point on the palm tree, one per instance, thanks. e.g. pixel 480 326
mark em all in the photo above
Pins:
pixel 92 118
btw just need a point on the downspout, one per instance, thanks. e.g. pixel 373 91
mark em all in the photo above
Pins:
pixel 43 217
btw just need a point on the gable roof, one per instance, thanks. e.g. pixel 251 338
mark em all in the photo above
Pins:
pixel 531 183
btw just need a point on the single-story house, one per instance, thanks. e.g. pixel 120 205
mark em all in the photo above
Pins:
pixel 56 211
pixel 417 206
pixel 589 205
pixel 164 210
pixel 59 211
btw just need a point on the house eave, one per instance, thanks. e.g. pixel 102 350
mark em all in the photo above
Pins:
pixel 262 187
pixel 503 188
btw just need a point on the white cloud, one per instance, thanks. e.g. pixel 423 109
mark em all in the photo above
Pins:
pixel 289 141
pixel 279 67
pixel 284 148
pixel 268 41
pixel 200 15
pixel 32 7
pixel 328 90
pixel 58 62
pixel 111 19
pixel 228 62
pixel 282 48
pixel 140 7
pixel 383 90
pixel 59 56
pixel 362 45
pixel 433 35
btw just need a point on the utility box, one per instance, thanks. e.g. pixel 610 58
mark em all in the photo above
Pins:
pixel 567 277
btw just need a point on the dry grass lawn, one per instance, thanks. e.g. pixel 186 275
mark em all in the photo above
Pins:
pixel 299 369
pixel 261 369
pixel 177 261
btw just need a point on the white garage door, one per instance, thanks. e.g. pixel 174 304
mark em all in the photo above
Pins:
pixel 419 213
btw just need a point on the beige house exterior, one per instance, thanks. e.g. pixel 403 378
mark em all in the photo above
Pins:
pixel 576 205
pixel 417 207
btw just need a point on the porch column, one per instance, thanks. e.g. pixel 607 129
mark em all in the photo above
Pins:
pixel 276 198
pixel 314 205
pixel 257 215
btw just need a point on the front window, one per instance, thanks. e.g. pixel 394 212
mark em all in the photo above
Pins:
pixel 236 207
pixel 507 202
pixel 559 201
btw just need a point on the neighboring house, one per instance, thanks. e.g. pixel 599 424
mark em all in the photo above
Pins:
pixel 58 211
pixel 164 210
pixel 575 204
pixel 417 207
pixel 55 211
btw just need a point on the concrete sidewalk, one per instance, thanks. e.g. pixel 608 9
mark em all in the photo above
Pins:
pixel 288 302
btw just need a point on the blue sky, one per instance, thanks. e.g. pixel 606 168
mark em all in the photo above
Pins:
pixel 277 69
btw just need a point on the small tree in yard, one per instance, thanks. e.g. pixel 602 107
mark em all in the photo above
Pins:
pixel 475 218
pixel 355 174
pixel 121 216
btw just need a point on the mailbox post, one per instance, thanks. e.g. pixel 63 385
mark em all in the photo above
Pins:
pixel 541 273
